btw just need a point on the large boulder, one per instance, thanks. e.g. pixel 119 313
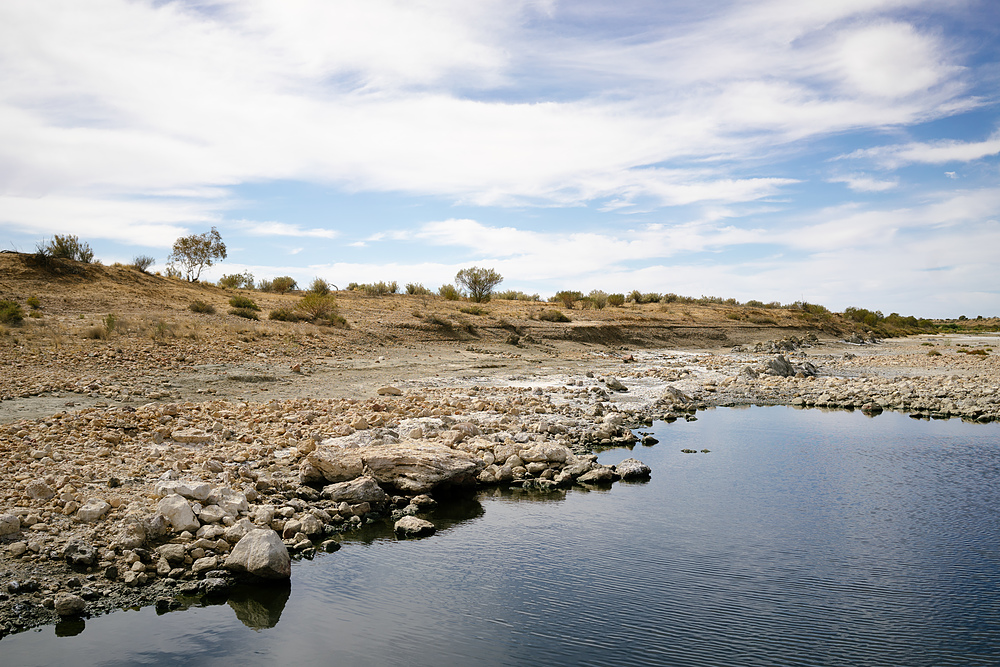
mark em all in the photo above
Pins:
pixel 67 604
pixel 177 510
pixel 261 553
pixel 633 469
pixel 418 467
pixel 190 489
pixel 93 510
pixel 411 526
pixel 360 490
pixel 780 366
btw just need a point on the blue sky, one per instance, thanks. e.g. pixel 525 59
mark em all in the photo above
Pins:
pixel 840 152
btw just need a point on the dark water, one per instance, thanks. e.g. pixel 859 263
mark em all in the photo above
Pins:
pixel 803 538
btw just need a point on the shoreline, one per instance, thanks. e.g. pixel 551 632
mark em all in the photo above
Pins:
pixel 94 476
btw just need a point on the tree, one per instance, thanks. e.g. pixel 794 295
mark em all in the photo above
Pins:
pixel 197 251
pixel 479 282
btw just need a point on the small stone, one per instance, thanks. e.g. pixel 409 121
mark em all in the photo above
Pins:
pixel 411 526
pixel 67 604
pixel 389 391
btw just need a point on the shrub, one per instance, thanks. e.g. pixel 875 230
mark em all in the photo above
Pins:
pixel 380 288
pixel 283 284
pixel 553 316
pixel 68 247
pixel 317 306
pixel 34 302
pixel 933 353
pixel 598 298
pixel 480 282
pixel 319 286
pixel 143 262
pixel 449 292
pixel 265 285
pixel 240 301
pixel 110 323
pixel 416 288
pixel 567 298
pixel 248 313
pixel 201 307
pixel 473 310
pixel 10 312
pixel 616 300
pixel 237 280
pixel 513 295
pixel 285 315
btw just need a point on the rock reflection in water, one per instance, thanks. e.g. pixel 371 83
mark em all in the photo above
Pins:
pixel 259 606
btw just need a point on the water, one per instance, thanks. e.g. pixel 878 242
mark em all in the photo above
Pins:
pixel 803 538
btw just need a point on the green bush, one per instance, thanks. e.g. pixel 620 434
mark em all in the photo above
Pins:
pixel 616 300
pixel 143 262
pixel 317 306
pixel 449 292
pixel 244 312
pixel 598 299
pixel 68 247
pixel 567 298
pixel 319 286
pixel 201 307
pixel 416 288
pixel 286 315
pixel 553 316
pixel 283 284
pixel 479 282
pixel 240 301
pixel 237 280
pixel 10 312
pixel 514 295
pixel 473 310
pixel 265 285
pixel 34 302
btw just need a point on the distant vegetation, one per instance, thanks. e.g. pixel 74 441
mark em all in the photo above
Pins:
pixel 195 252
pixel 479 282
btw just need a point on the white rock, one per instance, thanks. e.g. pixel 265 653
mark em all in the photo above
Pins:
pixel 93 510
pixel 9 524
pixel 67 604
pixel 411 526
pixel 262 554
pixel 232 502
pixel 190 435
pixel 178 513
pixel 191 489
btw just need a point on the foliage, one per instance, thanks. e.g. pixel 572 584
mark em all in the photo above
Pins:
pixel 10 312
pixel 286 315
pixel 567 298
pixel 248 313
pixel 34 302
pixel 240 301
pixel 319 286
pixel 317 306
pixel 616 300
pixel 597 299
pixel 265 285
pixel 479 282
pixel 143 262
pixel 449 292
pixel 283 284
pixel 237 280
pixel 381 288
pixel 193 253
pixel 553 316
pixel 68 247
pixel 514 295
pixel 416 288
pixel 201 307
pixel 473 310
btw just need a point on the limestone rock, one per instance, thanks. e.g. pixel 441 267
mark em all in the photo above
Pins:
pixel 420 467
pixel 336 463
pixel 261 553
pixel 232 502
pixel 9 524
pixel 547 452
pixel 177 510
pixel 93 510
pixel 190 489
pixel 190 435
pixel 39 490
pixel 411 526
pixel 599 475
pixel 390 391
pixel 172 553
pixel 632 469
pixel 67 604
pixel 360 490
pixel 614 384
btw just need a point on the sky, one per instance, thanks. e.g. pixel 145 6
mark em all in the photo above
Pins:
pixel 841 152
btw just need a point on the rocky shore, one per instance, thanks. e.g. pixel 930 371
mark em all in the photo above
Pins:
pixel 157 500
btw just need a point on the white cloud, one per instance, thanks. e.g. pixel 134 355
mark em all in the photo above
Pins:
pixel 283 229
pixel 936 152
pixel 865 183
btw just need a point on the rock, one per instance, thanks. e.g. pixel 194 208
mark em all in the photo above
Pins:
pixel 9 524
pixel 780 366
pixel 232 502
pixel 614 384
pixel 632 469
pixel 361 490
pixel 190 435
pixel 599 475
pixel 178 513
pixel 261 553
pixel 420 467
pixel 192 490
pixel 547 452
pixel 205 564
pixel 389 391
pixel 411 526
pixel 310 525
pixel 39 490
pixel 79 554
pixel 172 553
pixel 67 604
pixel 336 463
pixel 93 510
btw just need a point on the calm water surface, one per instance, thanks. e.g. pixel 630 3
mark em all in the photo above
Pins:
pixel 803 538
